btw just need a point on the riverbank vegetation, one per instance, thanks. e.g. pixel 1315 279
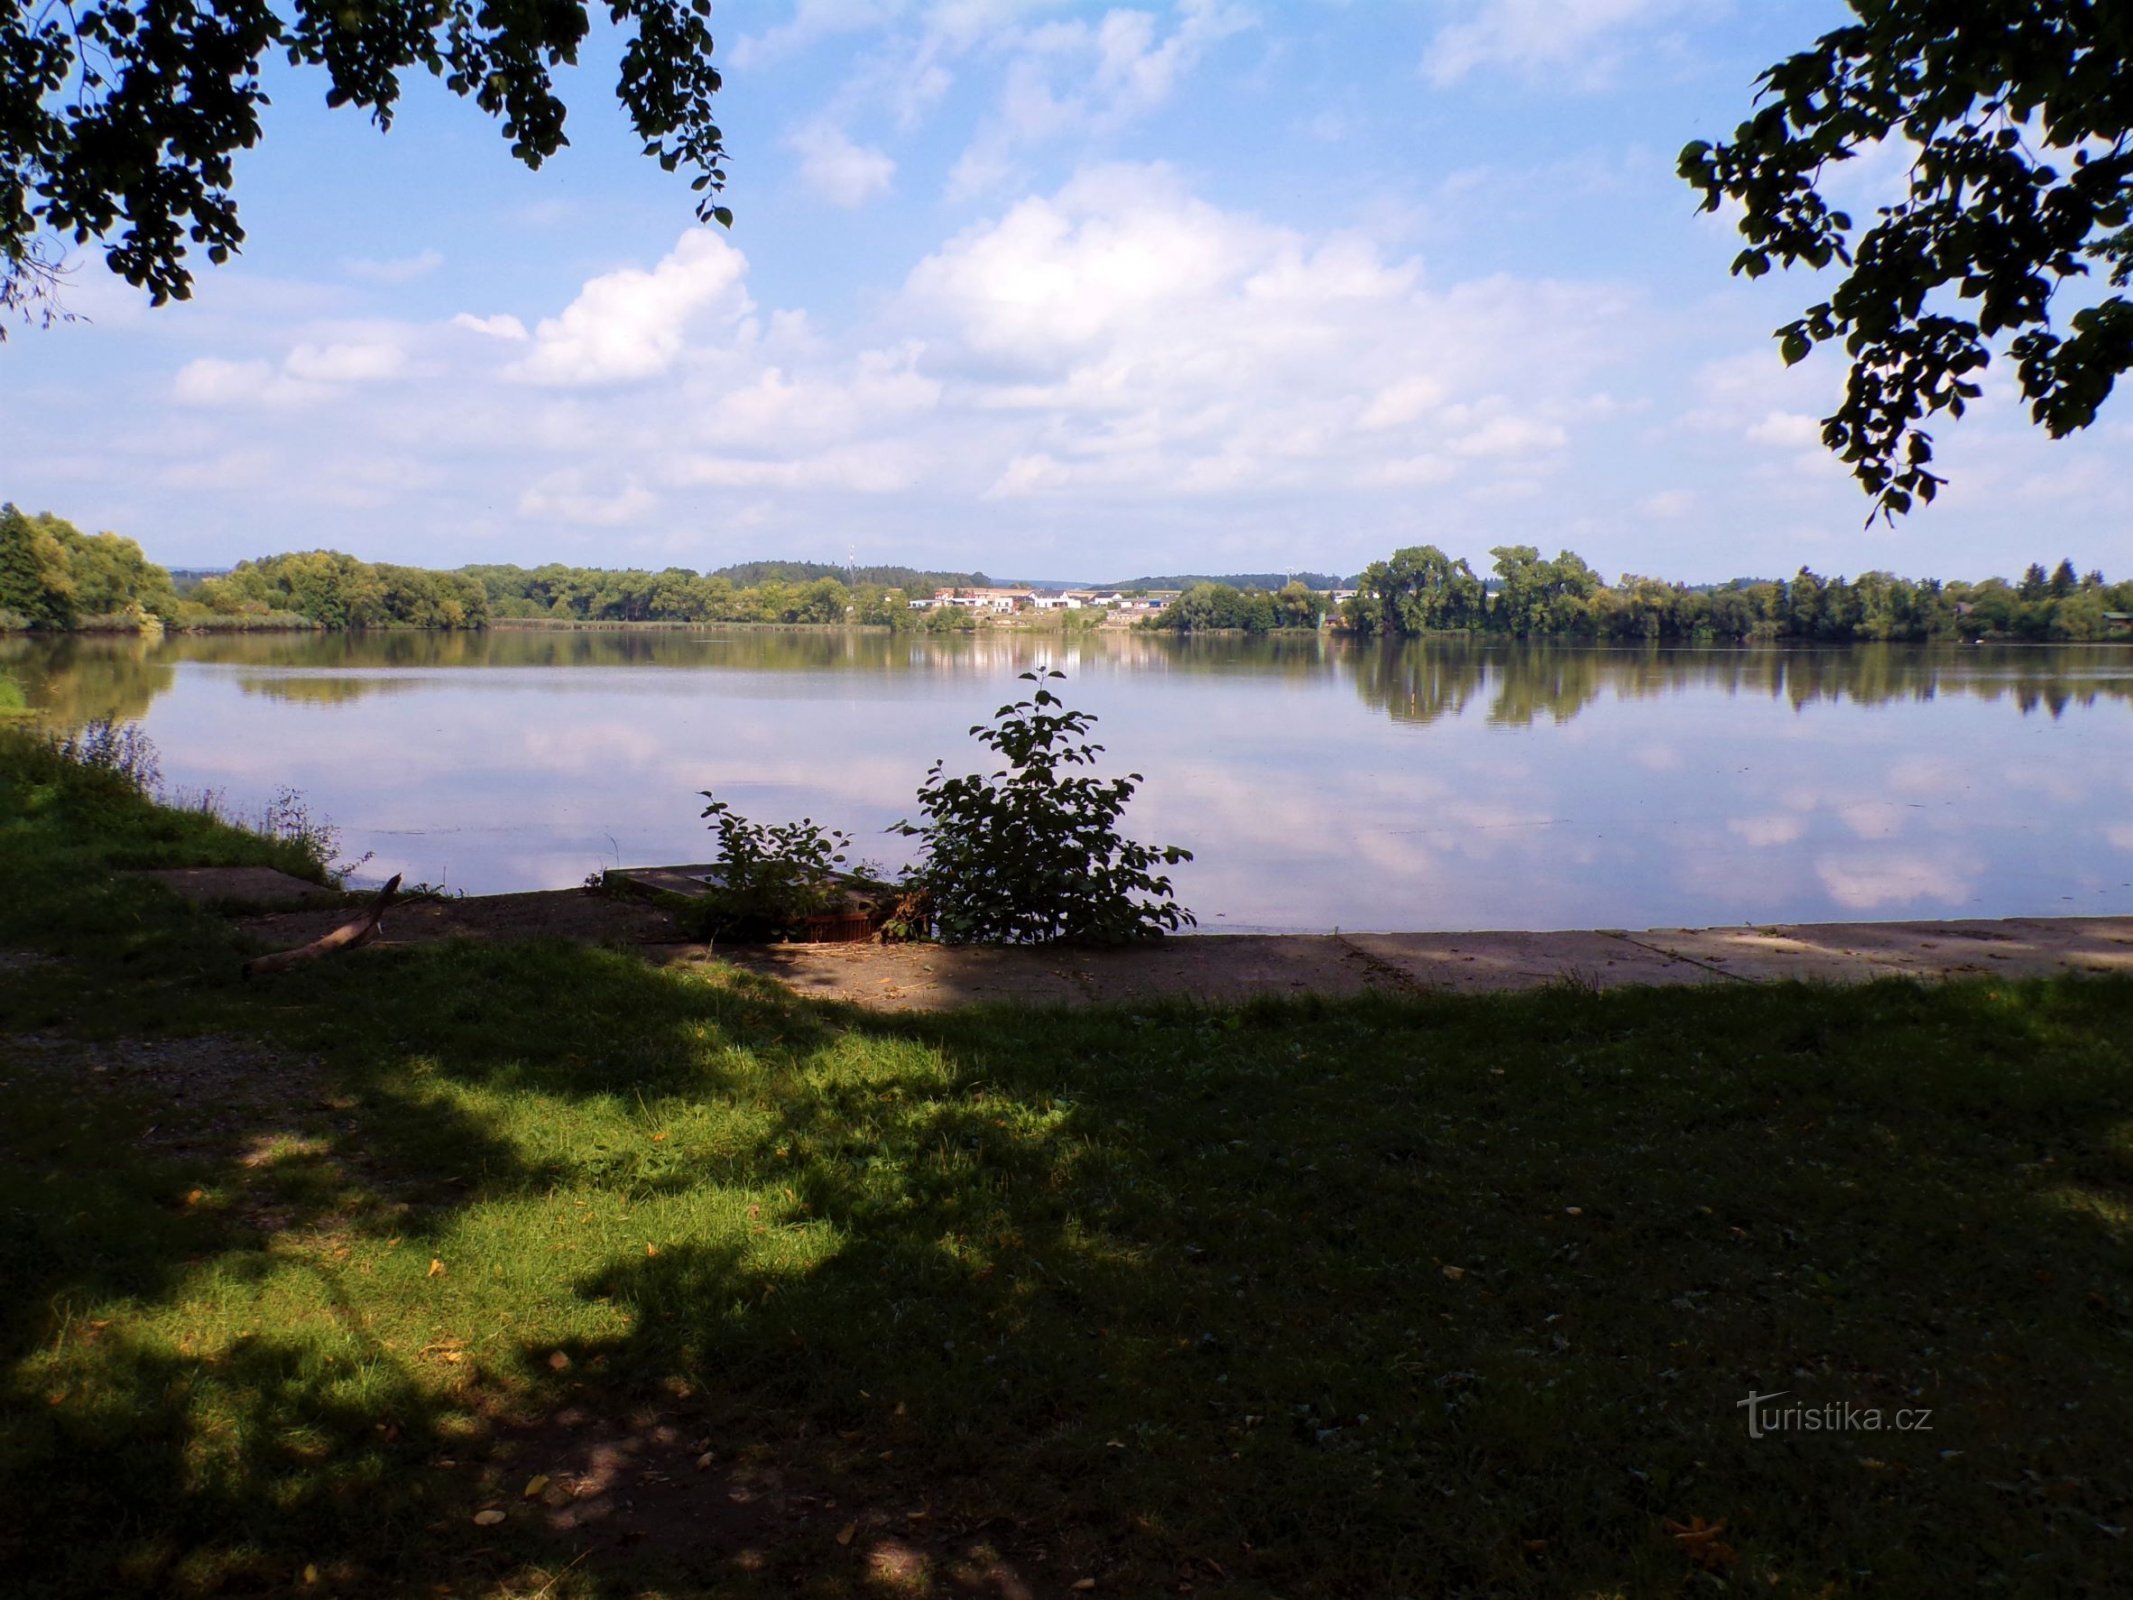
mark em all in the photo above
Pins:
pixel 53 577
pixel 517 1268
pixel 1422 590
pixel 1222 607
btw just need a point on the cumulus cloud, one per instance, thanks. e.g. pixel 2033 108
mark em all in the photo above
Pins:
pixel 1174 345
pixel 1119 336
pixel 841 172
pixel 632 324
pixel 1531 36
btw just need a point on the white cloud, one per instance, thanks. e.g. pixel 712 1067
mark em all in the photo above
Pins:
pixel 1402 402
pixel 1532 36
pixel 1765 832
pixel 1077 77
pixel 863 469
pixel 1173 345
pixel 841 172
pixel 212 381
pixel 222 472
pixel 365 361
pixel 632 324
pixel 812 21
pixel 1875 819
pixel 1787 429
pixel 1888 878
pixel 401 269
pixel 497 327
pixel 565 497
pixel 311 372
pixel 1510 436
pixel 1117 338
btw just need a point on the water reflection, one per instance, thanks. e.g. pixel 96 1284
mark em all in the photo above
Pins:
pixel 1447 783
pixel 73 680
pixel 1423 681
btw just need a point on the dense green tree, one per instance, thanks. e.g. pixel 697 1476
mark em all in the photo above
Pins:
pixel 1221 607
pixel 332 590
pixel 111 574
pixel 35 584
pixel 2022 176
pixel 1420 590
pixel 55 576
pixel 1536 597
pixel 120 119
pixel 1298 606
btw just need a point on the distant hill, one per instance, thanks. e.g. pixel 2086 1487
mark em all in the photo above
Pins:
pixel 748 574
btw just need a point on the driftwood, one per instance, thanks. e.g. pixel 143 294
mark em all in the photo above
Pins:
pixel 345 937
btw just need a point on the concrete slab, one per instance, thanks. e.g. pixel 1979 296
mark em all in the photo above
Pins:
pixel 1470 963
pixel 1229 968
pixel 1233 968
pixel 1848 952
pixel 256 886
pixel 940 977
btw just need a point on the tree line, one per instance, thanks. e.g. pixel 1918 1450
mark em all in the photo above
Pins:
pixel 54 577
pixel 1421 590
pixel 1223 607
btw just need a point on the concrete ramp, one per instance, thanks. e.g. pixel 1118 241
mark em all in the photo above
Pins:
pixel 1229 968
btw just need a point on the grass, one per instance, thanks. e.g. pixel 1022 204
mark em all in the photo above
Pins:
pixel 1308 1299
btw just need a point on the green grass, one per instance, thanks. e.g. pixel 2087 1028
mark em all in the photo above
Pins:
pixel 1366 1298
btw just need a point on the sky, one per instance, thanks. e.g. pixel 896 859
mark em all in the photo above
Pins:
pixel 1048 290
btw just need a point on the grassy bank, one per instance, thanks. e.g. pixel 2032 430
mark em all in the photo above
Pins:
pixel 536 1270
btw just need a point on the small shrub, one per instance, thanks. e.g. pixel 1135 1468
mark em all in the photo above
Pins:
pixel 117 748
pixel 1032 854
pixel 771 875
pixel 288 818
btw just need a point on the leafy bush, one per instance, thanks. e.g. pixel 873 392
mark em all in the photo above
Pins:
pixel 772 875
pixel 118 748
pixel 1032 854
pixel 288 818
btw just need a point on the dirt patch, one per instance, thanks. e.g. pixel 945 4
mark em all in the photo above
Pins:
pixel 678 1491
pixel 549 913
pixel 248 886
pixel 205 1095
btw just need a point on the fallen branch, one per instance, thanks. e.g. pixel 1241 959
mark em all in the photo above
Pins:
pixel 345 937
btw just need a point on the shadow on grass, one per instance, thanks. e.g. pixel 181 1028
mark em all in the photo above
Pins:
pixel 531 1268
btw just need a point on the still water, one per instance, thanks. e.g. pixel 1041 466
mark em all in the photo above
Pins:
pixel 1321 783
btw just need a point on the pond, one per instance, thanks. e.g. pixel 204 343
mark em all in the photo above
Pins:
pixel 1322 783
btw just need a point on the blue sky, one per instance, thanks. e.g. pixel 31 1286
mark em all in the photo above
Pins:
pixel 1053 290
